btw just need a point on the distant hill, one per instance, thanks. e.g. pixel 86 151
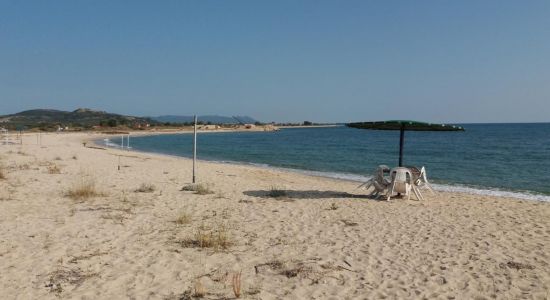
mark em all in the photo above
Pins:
pixel 205 119
pixel 82 117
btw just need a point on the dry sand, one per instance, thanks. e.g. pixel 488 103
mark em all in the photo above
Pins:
pixel 323 240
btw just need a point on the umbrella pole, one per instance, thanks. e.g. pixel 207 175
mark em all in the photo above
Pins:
pixel 401 142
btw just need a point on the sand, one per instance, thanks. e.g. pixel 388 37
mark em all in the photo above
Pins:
pixel 322 240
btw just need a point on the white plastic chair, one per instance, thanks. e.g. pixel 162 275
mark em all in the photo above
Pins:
pixel 422 181
pixel 401 182
pixel 378 181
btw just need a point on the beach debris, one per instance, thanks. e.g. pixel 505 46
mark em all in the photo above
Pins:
pixel 347 263
pixel 516 265
pixel 63 276
pixel 76 259
pixel 349 223
pixel 236 284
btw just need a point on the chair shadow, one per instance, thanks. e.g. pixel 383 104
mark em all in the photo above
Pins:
pixel 307 194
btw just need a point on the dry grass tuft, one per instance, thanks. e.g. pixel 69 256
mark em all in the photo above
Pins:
pixel 83 190
pixel 333 206
pixel 199 189
pixel 64 276
pixel 24 167
pixel 217 239
pixel 20 152
pixel 276 192
pixel 236 283
pixel 145 188
pixel 183 219
pixel 54 169
pixel 200 289
pixel 2 174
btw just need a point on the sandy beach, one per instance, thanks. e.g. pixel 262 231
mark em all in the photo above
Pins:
pixel 135 234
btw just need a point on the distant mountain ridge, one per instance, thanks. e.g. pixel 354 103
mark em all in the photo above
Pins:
pixel 214 119
pixel 82 117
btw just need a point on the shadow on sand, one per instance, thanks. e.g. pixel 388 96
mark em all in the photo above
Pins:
pixel 312 194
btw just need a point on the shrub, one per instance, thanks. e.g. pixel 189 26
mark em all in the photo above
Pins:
pixel 183 218
pixel 217 239
pixel 83 190
pixel 145 188
pixel 54 169
pixel 200 290
pixel 200 189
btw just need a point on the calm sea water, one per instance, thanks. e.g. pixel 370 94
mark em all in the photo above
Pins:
pixel 502 159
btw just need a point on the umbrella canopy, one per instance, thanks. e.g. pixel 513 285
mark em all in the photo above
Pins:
pixel 403 125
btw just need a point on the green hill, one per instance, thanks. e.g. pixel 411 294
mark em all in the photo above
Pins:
pixel 82 118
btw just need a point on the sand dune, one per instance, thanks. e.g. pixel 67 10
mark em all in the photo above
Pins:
pixel 141 237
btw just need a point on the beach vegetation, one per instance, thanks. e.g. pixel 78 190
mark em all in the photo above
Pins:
pixel 54 169
pixel 145 188
pixel 83 190
pixel 20 152
pixel 2 172
pixel 65 276
pixel 216 238
pixel 333 206
pixel 200 289
pixel 199 189
pixel 183 218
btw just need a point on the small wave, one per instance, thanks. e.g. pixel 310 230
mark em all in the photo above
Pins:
pixel 108 143
pixel 437 187
pixel 490 192
pixel 362 178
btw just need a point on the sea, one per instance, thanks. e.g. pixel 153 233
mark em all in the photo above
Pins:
pixel 511 160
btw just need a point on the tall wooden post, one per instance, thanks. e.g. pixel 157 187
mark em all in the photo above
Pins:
pixel 194 147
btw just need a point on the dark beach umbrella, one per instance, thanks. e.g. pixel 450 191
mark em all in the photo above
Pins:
pixel 402 126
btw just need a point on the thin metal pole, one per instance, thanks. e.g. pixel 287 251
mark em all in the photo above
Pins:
pixel 122 142
pixel 194 147
pixel 401 142
pixel 128 146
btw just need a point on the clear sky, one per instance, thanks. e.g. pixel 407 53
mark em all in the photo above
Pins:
pixel 324 61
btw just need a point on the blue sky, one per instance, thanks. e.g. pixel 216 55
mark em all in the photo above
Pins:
pixel 325 61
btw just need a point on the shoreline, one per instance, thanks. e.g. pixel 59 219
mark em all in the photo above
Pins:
pixel 135 233
pixel 356 178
